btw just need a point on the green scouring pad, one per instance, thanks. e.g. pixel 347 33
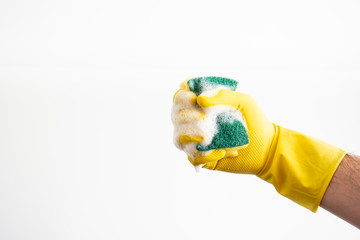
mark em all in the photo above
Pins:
pixel 201 84
pixel 230 131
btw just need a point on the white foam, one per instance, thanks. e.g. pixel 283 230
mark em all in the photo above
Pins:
pixel 210 90
pixel 198 168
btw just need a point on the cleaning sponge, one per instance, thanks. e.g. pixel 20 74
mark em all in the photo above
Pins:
pixel 229 127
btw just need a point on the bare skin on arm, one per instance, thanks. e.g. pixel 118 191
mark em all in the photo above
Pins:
pixel 342 197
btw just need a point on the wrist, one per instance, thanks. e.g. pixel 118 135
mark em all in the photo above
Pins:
pixel 300 167
pixel 342 196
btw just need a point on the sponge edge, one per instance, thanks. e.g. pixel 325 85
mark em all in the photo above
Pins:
pixel 200 85
pixel 228 125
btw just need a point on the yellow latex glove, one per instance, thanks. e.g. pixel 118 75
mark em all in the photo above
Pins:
pixel 300 167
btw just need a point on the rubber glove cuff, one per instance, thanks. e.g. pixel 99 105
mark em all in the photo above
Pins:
pixel 300 167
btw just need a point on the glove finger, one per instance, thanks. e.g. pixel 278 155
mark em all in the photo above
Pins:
pixel 188 135
pixel 184 97
pixel 215 155
pixel 187 115
pixel 189 139
pixel 243 102
pixel 183 130
pixel 224 97
pixel 211 165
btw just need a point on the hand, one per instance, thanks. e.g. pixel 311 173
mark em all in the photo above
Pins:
pixel 188 115
pixel 300 167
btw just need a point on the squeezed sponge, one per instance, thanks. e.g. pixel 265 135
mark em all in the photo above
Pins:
pixel 230 131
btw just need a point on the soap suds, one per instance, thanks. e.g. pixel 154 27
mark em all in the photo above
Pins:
pixel 212 90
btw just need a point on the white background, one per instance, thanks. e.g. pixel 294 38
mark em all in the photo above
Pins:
pixel 86 90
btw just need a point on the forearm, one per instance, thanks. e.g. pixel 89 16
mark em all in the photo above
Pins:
pixel 342 196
